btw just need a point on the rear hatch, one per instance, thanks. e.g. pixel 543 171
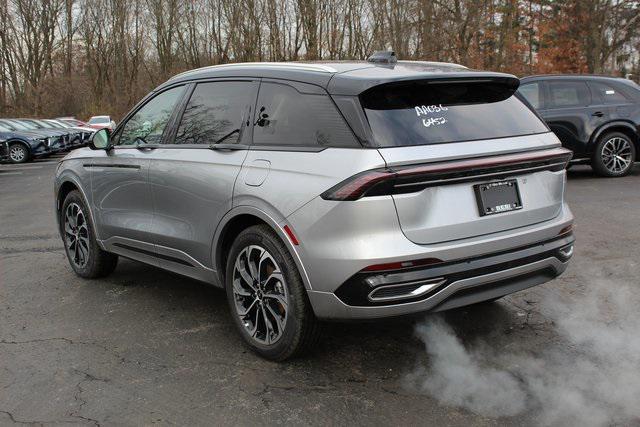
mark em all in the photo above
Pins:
pixel 471 158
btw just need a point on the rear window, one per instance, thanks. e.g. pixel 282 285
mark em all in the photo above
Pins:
pixel 430 112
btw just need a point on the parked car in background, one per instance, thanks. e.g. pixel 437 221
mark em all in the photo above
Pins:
pixel 101 122
pixel 56 140
pixel 22 146
pixel 74 138
pixel 596 117
pixel 84 132
pixel 73 121
pixel 61 142
pixel 350 190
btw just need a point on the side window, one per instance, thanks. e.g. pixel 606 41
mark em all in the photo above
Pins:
pixel 564 94
pixel 531 92
pixel 148 123
pixel 607 94
pixel 287 117
pixel 215 113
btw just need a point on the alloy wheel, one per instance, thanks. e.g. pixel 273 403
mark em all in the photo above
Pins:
pixel 260 294
pixel 616 155
pixel 17 153
pixel 76 235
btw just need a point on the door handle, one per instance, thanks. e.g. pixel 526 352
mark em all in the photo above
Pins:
pixel 598 114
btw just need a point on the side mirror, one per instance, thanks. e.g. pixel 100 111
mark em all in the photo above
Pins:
pixel 101 140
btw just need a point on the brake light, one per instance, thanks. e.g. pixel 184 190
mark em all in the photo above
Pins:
pixel 358 185
pixel 414 178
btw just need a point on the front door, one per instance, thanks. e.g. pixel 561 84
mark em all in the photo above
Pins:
pixel 121 195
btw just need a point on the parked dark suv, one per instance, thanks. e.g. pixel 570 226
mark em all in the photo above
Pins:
pixel 596 117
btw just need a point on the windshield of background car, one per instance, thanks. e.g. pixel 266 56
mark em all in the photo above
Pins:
pixel 427 112
pixel 99 119
pixel 24 125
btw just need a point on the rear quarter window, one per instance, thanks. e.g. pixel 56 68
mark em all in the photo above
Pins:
pixel 424 112
pixel 287 117
pixel 607 94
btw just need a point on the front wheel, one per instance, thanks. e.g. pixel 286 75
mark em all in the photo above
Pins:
pixel 85 256
pixel 266 296
pixel 18 153
pixel 614 155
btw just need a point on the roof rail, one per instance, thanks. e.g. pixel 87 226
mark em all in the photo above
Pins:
pixel 286 65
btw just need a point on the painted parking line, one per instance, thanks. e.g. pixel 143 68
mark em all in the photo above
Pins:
pixel 25 166
pixel 20 168
pixel 10 173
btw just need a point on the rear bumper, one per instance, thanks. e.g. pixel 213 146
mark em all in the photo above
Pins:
pixel 460 283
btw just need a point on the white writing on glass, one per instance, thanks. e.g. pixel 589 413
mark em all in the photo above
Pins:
pixel 425 110
pixel 433 121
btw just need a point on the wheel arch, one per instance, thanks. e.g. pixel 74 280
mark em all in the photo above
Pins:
pixel 21 142
pixel 240 218
pixel 66 184
pixel 626 128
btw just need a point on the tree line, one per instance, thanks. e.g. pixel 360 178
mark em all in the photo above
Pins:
pixel 84 57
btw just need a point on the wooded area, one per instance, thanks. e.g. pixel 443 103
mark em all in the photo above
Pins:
pixel 84 57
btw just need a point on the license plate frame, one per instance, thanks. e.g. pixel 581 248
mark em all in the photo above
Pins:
pixel 498 197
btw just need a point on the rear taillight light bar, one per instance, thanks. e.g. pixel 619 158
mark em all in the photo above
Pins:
pixel 408 179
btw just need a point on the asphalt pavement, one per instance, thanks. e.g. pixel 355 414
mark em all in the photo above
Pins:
pixel 144 346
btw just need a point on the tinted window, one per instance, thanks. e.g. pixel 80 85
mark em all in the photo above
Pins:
pixel 531 93
pixel 215 113
pixel 427 112
pixel 148 123
pixel 607 94
pixel 568 94
pixel 288 117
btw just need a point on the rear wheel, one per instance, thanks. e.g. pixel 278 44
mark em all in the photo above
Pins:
pixel 614 155
pixel 85 256
pixel 266 296
pixel 18 153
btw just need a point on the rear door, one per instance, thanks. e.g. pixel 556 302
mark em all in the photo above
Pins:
pixel 192 176
pixel 460 128
pixel 570 113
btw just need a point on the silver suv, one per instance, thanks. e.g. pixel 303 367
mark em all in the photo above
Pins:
pixel 309 191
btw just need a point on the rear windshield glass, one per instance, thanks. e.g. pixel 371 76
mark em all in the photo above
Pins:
pixel 426 112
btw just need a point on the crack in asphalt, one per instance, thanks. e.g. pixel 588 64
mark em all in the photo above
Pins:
pixel 87 377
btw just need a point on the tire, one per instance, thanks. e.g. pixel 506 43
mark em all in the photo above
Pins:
pixel 84 254
pixel 278 295
pixel 614 155
pixel 18 153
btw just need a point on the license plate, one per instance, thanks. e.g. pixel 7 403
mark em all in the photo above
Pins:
pixel 497 197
